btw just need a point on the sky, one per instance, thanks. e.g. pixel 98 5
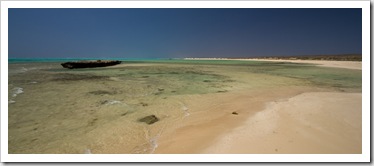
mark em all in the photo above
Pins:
pixel 183 32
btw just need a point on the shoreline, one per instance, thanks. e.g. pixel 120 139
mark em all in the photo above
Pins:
pixel 356 65
pixel 271 125
pixel 276 126
pixel 209 121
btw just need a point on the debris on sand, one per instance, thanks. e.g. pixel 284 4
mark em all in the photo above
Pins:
pixel 143 104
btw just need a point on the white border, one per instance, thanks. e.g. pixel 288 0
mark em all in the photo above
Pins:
pixel 365 157
pixel 366 59
pixel 4 82
pixel 184 4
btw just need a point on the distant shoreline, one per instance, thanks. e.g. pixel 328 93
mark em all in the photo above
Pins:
pixel 356 65
pixel 342 57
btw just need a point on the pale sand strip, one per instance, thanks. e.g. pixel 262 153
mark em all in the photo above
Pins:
pixel 317 122
pixel 338 64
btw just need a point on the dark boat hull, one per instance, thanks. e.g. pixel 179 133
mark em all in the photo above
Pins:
pixel 89 64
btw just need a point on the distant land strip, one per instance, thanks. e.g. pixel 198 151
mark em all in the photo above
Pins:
pixel 335 57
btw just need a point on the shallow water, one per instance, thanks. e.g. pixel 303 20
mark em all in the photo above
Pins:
pixel 57 110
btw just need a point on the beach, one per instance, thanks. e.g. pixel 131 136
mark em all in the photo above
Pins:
pixel 357 65
pixel 214 106
pixel 301 124
pixel 307 123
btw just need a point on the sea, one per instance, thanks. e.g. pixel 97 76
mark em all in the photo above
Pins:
pixel 97 110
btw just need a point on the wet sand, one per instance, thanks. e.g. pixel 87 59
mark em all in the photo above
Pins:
pixel 211 117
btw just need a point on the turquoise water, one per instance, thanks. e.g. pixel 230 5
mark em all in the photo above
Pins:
pixel 143 60
pixel 24 60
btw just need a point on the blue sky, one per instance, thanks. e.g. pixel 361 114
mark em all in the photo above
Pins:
pixel 177 33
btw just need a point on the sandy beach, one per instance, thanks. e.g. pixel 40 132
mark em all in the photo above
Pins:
pixel 324 63
pixel 295 121
pixel 309 123
pixel 357 65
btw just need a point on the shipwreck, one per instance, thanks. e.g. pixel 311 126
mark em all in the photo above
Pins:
pixel 89 64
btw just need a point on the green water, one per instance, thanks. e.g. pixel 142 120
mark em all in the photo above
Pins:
pixel 343 79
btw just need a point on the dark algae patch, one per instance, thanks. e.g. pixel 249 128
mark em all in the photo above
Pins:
pixel 102 92
pixel 185 79
pixel 149 119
